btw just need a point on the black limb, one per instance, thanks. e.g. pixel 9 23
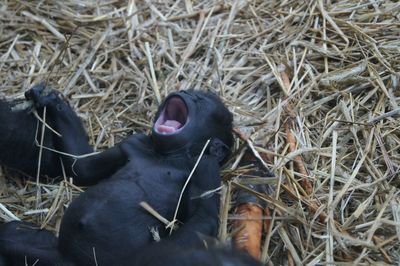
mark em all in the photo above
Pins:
pixel 24 243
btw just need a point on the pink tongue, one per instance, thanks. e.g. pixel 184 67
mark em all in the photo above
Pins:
pixel 169 126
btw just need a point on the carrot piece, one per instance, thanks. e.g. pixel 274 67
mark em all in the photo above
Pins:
pixel 250 225
pixel 298 161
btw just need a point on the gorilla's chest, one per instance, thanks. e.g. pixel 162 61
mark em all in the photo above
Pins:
pixel 111 209
pixel 157 183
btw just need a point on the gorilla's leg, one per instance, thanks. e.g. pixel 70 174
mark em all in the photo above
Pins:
pixel 4 261
pixel 25 244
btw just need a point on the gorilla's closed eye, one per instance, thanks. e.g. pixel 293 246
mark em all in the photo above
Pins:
pixel 173 117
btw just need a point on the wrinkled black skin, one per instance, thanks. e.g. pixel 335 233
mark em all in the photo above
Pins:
pixel 105 223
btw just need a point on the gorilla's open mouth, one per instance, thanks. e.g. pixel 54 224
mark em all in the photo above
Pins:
pixel 173 117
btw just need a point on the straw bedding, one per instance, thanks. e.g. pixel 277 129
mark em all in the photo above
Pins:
pixel 313 86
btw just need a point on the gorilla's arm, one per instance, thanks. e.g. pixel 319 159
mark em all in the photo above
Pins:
pixel 17 142
pixel 21 134
pixel 92 169
pixel 200 213
pixel 78 159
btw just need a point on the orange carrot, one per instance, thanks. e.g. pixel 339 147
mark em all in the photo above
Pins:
pixel 298 161
pixel 250 225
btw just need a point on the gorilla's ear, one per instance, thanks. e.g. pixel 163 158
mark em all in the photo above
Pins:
pixel 219 149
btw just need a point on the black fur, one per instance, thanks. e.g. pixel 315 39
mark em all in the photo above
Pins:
pixel 105 224
pixel 173 255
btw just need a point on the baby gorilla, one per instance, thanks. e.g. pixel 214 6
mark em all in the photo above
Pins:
pixel 105 225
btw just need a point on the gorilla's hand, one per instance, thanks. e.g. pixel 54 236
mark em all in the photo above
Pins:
pixel 42 96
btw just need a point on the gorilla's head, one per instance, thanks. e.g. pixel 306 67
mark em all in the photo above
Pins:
pixel 189 118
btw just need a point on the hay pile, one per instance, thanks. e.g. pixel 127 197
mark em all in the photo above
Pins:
pixel 313 85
